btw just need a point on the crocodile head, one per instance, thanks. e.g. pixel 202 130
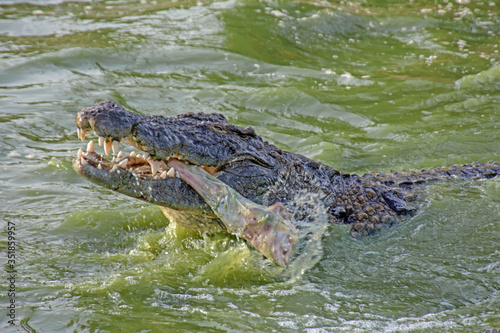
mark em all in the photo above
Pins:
pixel 236 156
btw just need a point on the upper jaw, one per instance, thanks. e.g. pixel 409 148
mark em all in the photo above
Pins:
pixel 201 139
pixel 113 124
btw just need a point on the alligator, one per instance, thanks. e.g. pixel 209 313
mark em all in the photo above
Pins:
pixel 241 160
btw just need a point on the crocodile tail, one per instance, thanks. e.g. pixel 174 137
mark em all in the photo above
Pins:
pixel 381 199
pixel 408 179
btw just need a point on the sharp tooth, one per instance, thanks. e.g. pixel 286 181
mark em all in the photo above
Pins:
pixel 84 162
pixel 123 163
pixel 146 155
pixel 120 155
pixel 177 174
pixel 114 168
pixel 101 141
pixel 80 153
pixel 171 173
pixel 163 174
pixel 107 147
pixel 83 133
pixel 139 156
pixel 79 133
pixel 115 146
pixel 99 167
pixel 90 147
pixel 154 167
pixel 132 154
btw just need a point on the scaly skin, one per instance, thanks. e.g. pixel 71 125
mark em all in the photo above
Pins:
pixel 252 167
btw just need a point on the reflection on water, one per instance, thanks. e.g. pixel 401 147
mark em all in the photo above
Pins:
pixel 358 86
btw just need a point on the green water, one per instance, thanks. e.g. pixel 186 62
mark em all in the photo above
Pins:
pixel 358 85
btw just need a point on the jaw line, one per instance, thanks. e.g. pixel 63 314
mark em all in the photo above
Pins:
pixel 113 124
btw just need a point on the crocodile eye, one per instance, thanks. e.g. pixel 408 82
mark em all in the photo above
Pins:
pixel 218 129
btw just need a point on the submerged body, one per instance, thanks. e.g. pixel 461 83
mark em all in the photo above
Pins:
pixel 249 166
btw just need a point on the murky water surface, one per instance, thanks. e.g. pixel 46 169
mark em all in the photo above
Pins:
pixel 358 85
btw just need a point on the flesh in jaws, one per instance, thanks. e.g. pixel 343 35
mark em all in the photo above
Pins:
pixel 266 228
